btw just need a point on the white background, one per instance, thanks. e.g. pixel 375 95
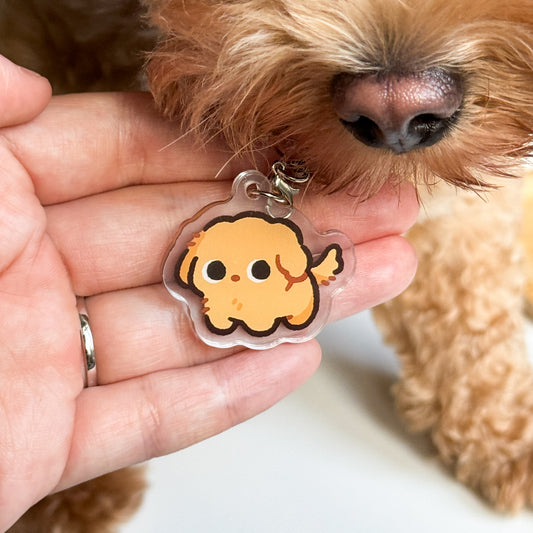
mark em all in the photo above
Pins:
pixel 332 457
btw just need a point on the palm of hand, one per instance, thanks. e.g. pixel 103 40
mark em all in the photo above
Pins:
pixel 113 199
pixel 41 359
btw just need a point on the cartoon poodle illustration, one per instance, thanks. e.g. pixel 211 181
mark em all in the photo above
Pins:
pixel 254 271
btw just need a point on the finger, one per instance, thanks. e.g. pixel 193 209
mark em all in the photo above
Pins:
pixel 23 94
pixel 392 211
pixel 129 422
pixel 119 239
pixel 85 144
pixel 144 330
pixel 384 269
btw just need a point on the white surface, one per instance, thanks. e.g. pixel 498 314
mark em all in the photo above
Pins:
pixel 332 457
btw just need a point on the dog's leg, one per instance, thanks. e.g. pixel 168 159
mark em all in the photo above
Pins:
pixel 459 333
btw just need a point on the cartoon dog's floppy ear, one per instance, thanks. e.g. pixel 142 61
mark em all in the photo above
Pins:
pixel 293 264
pixel 185 265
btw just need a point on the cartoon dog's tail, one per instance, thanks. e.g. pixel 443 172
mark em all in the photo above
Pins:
pixel 328 265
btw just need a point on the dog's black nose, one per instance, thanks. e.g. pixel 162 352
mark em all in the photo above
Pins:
pixel 398 111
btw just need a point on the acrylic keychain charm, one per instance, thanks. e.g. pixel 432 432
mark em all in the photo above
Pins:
pixel 253 270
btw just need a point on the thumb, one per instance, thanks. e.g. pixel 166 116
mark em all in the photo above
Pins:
pixel 23 93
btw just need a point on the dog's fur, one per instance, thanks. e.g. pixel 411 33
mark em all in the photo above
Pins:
pixel 78 45
pixel 260 72
pixel 97 506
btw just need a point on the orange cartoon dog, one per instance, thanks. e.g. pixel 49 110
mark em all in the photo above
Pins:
pixel 266 278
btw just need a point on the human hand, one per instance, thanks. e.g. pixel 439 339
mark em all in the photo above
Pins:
pixel 113 199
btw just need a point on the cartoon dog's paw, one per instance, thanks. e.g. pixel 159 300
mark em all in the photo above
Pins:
pixel 222 325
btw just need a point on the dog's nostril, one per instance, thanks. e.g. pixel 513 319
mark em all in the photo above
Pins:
pixel 398 112
pixel 427 129
pixel 365 130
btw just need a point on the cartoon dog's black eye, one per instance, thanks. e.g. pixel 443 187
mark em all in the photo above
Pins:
pixel 258 270
pixel 214 271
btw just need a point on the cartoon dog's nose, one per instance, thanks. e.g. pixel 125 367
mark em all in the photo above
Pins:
pixel 400 112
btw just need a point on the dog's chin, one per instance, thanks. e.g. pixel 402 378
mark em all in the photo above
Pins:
pixel 342 162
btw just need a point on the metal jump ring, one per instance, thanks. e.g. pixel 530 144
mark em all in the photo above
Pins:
pixel 270 195
pixel 282 192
